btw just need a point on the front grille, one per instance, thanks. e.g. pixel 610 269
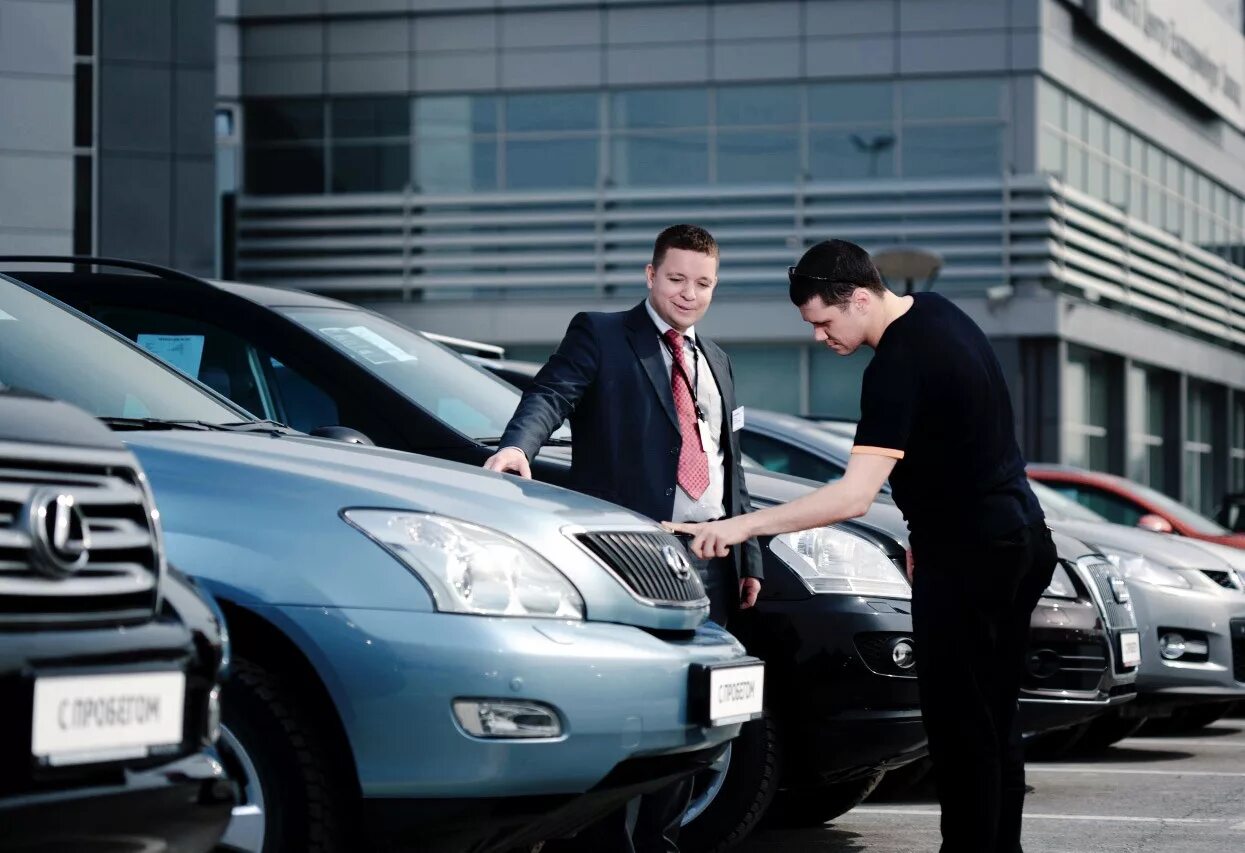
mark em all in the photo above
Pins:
pixel 1119 615
pixel 646 565
pixel 1065 666
pixel 118 581
pixel 877 650
pixel 1238 649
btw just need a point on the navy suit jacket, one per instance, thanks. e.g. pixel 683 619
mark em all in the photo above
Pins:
pixel 609 377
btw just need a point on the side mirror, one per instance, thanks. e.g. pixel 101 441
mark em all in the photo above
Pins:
pixel 1157 523
pixel 342 433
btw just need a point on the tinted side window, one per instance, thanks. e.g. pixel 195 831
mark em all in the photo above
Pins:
pixel 304 405
pixel 1107 504
pixel 781 457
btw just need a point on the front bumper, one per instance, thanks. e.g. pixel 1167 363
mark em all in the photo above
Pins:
pixel 1072 668
pixel 497 824
pixel 1163 609
pixel 620 692
pixel 183 805
pixel 843 708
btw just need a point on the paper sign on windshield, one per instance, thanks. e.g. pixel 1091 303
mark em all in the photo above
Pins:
pixel 368 345
pixel 185 352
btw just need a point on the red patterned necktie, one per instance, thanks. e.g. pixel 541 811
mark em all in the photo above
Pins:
pixel 693 460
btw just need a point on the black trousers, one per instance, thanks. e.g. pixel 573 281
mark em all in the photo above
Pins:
pixel 650 824
pixel 971 608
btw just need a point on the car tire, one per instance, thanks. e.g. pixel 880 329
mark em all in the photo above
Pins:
pixel 810 807
pixel 282 744
pixel 1108 730
pixel 1049 746
pixel 745 795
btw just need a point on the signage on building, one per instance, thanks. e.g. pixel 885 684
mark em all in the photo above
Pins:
pixel 1188 41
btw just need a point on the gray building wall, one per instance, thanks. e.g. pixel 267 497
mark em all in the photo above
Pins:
pixel 36 136
pixel 155 154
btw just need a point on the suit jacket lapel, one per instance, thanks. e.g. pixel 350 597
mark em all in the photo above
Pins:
pixel 716 359
pixel 642 335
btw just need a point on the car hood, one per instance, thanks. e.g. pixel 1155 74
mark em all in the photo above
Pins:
pixel 1163 548
pixel 260 513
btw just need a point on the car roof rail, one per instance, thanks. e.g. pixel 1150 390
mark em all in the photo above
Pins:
pixel 468 347
pixel 161 272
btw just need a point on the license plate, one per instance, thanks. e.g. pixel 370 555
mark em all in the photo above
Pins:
pixel 90 718
pixel 1130 648
pixel 732 693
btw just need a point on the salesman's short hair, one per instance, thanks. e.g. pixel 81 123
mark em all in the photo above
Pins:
pixel 833 269
pixel 692 238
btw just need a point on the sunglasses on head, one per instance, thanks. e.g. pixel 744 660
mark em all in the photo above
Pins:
pixel 793 274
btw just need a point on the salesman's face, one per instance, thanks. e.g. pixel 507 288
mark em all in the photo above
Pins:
pixel 681 289
pixel 841 328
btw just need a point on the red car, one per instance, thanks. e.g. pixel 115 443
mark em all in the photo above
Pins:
pixel 1126 502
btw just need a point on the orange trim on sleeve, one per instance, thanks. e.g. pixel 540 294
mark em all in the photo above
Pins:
pixel 888 452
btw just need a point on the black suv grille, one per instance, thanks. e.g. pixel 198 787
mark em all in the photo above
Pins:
pixel 1118 615
pixel 117 578
pixel 1238 649
pixel 643 563
pixel 1065 666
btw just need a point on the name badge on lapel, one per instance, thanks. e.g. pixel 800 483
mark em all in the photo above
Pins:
pixel 737 419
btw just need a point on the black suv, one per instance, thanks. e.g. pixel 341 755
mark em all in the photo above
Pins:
pixel 110 661
pixel 840 682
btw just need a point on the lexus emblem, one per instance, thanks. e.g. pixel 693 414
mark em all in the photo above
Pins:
pixel 60 541
pixel 677 562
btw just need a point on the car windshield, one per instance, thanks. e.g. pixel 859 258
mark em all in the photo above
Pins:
pixel 465 397
pixel 1180 512
pixel 49 350
pixel 1063 506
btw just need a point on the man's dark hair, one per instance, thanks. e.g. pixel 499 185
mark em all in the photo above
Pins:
pixel 693 238
pixel 833 269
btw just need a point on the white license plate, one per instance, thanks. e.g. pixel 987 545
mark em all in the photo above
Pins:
pixel 87 718
pixel 735 693
pixel 1130 648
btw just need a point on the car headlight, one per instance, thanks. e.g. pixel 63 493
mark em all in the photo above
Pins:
pixel 835 561
pixel 1135 567
pixel 471 569
pixel 1061 585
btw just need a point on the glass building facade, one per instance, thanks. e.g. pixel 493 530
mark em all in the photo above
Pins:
pixel 486 172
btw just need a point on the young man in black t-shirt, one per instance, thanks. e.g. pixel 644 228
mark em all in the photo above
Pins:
pixel 935 417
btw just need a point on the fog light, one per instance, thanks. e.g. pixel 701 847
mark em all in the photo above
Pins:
pixel 903 654
pixel 506 718
pixel 213 715
pixel 1172 646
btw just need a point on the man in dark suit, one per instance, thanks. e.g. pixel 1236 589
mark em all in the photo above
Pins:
pixel 655 426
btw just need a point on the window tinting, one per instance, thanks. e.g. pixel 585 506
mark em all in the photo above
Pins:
pixel 551 111
pixel 353 118
pixel 644 109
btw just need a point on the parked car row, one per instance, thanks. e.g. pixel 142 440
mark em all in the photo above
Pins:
pixel 1187 591
pixel 426 652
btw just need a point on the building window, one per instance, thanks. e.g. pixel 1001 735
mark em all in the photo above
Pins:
pixel 1199 448
pixel 285 151
pixel 659 137
pixel 767 376
pixel 370 144
pixel 1238 442
pixel 758 134
pixel 951 127
pixel 834 382
pixel 1091 152
pixel 851 130
pixel 1149 402
pixel 1086 405
pixel 456 143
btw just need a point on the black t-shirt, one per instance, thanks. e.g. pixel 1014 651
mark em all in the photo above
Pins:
pixel 934 398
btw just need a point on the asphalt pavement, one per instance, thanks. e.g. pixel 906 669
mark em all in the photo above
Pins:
pixel 1179 794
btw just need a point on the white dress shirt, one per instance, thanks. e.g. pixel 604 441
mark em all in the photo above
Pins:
pixel 710 506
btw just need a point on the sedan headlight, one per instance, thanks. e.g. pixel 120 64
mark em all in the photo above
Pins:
pixel 1061 585
pixel 1135 567
pixel 471 569
pixel 835 561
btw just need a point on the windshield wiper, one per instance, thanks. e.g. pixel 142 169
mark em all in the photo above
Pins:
pixel 158 424
pixel 261 425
